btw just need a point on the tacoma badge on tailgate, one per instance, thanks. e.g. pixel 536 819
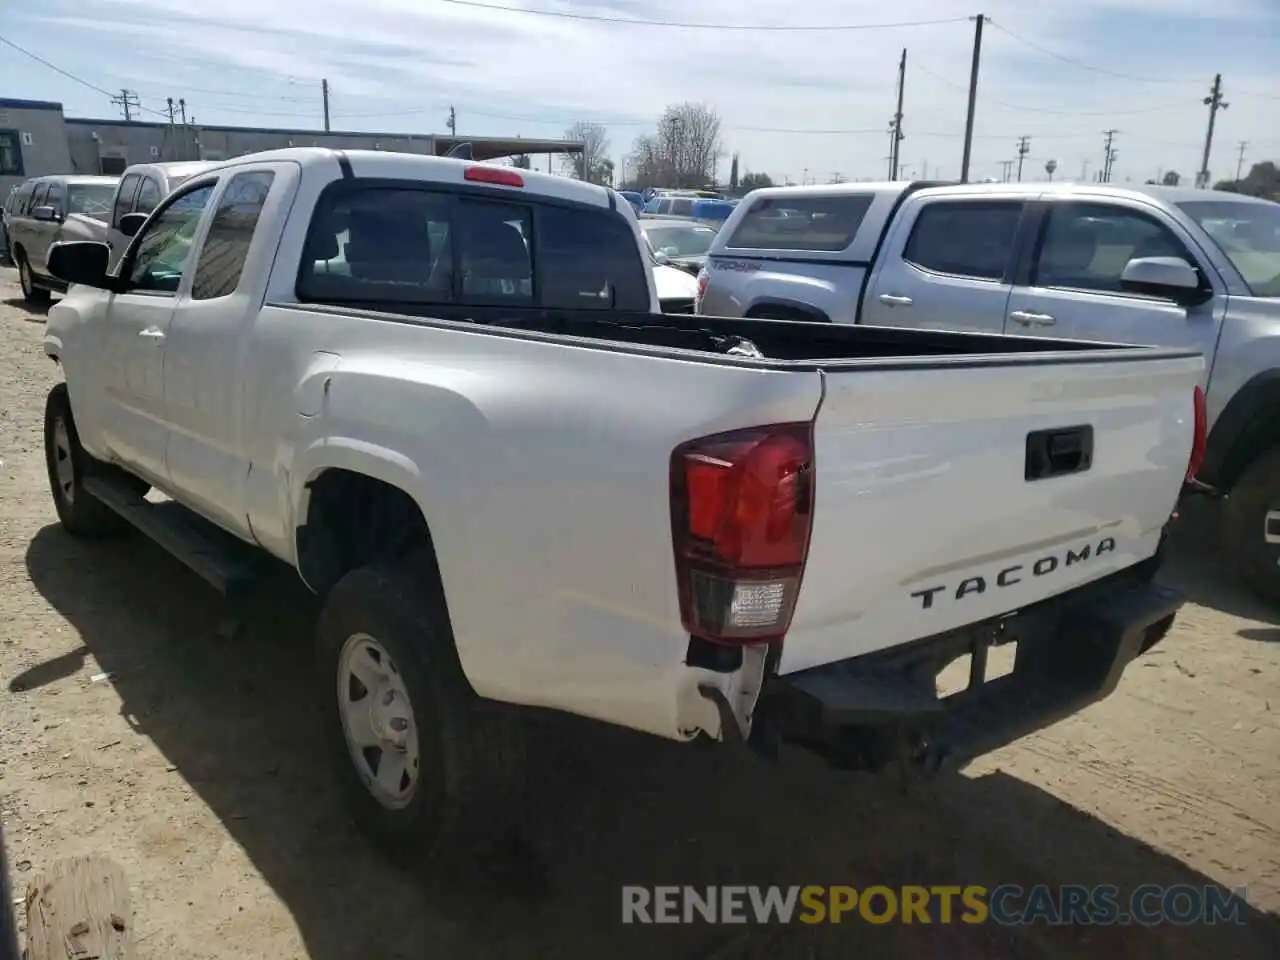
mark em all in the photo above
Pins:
pixel 1014 573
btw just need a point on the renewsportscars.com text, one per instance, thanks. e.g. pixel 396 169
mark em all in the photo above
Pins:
pixel 1008 904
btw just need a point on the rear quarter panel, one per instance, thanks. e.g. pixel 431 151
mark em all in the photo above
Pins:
pixel 542 469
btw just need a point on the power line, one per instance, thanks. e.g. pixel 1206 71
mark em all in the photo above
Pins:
pixel 1062 113
pixel 71 76
pixel 1106 71
pixel 686 25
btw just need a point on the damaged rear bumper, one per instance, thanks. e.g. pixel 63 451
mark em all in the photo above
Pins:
pixel 870 711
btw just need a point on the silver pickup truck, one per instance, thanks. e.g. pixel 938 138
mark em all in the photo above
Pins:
pixel 1094 262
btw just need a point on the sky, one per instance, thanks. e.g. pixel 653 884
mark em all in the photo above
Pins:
pixel 810 103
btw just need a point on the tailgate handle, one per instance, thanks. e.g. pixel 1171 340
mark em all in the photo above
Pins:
pixel 1058 452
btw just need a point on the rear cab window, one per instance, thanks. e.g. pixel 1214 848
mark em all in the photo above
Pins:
pixel 818 224
pixel 973 239
pixel 421 244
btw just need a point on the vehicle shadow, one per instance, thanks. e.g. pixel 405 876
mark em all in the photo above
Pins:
pixel 1198 566
pixel 609 808
pixel 32 312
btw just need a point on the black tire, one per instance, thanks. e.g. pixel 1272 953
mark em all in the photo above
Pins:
pixel 470 779
pixel 1252 498
pixel 81 514
pixel 33 295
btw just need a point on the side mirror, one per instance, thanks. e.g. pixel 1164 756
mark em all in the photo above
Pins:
pixel 131 223
pixel 44 213
pixel 660 258
pixel 80 261
pixel 1170 277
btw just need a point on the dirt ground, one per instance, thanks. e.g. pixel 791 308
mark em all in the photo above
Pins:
pixel 197 768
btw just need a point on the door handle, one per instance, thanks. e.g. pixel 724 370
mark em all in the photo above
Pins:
pixel 895 300
pixel 1029 318
pixel 152 333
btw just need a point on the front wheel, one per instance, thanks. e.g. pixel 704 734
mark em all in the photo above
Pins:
pixel 36 296
pixel 82 514
pixel 429 769
pixel 1253 526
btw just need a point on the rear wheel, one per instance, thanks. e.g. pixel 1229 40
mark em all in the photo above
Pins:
pixel 36 296
pixel 1253 525
pixel 428 769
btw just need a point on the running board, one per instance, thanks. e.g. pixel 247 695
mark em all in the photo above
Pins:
pixel 226 563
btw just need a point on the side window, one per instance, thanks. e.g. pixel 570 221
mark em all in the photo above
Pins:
pixel 149 196
pixel 226 245
pixel 1086 246
pixel 159 254
pixel 491 245
pixel 590 261
pixel 56 196
pixel 124 198
pixel 379 243
pixel 37 196
pixel 821 224
pixel 965 238
pixel 682 207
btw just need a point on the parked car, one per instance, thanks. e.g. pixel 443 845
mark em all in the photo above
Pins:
pixel 9 202
pixel 139 191
pixel 713 211
pixel 40 208
pixel 679 243
pixel 518 493
pixel 1175 267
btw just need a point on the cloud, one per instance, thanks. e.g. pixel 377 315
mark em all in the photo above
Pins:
pixel 398 64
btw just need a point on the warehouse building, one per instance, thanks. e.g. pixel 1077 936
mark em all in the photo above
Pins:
pixel 37 138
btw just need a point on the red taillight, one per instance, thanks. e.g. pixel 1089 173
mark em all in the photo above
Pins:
pixel 499 175
pixel 1200 437
pixel 703 277
pixel 741 514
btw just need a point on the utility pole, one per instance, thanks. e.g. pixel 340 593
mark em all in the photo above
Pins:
pixel 1024 147
pixel 896 127
pixel 1215 103
pixel 127 102
pixel 452 122
pixel 1108 156
pixel 1008 166
pixel 973 97
pixel 1084 171
pixel 1244 144
pixel 324 94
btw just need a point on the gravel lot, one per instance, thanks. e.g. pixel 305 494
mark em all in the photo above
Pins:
pixel 197 768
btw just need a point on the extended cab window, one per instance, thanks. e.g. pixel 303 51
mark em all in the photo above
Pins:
pixel 965 238
pixel 124 198
pixel 159 254
pixel 1086 246
pixel 226 246
pixel 820 224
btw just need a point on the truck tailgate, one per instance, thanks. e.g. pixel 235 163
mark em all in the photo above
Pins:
pixel 949 493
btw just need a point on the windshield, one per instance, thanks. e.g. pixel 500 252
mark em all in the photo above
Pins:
pixel 1249 234
pixel 91 199
pixel 681 241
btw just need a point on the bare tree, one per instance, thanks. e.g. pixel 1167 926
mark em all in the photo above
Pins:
pixel 689 144
pixel 522 161
pixel 645 162
pixel 592 164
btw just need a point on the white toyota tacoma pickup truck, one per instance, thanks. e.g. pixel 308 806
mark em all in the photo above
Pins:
pixel 441 392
